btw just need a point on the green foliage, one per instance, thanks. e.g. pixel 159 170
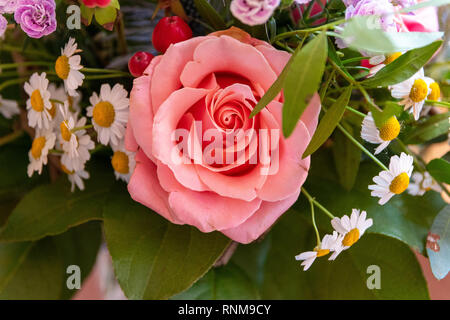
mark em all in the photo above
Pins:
pixel 427 129
pixel 302 81
pixel 153 258
pixel 210 15
pixel 439 170
pixel 439 250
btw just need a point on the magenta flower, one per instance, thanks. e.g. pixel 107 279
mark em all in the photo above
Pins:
pixel 253 12
pixel 8 6
pixel 381 8
pixel 3 24
pixel 37 18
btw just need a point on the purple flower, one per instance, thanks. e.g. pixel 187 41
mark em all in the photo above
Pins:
pixel 381 8
pixel 8 6
pixel 36 17
pixel 3 24
pixel 253 12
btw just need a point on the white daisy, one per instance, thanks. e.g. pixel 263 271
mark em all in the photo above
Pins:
pixel 421 183
pixel 8 108
pixel 59 93
pixel 67 138
pixel 75 156
pixel 42 143
pixel 413 91
pixel 75 177
pixel 380 61
pixel 329 243
pixel 109 113
pixel 38 105
pixel 395 180
pixel 67 67
pixel 388 132
pixel 123 162
pixel 351 229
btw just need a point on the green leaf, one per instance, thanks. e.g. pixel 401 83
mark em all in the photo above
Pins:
pixel 439 170
pixel 403 67
pixel 428 129
pixel 106 17
pixel 344 278
pixel 329 122
pixel 52 209
pixel 438 249
pixel 347 158
pixel 37 270
pixel 223 283
pixel 391 109
pixel 87 14
pixel 210 15
pixel 303 80
pixel 363 33
pixel 154 258
pixel 405 217
pixel 430 3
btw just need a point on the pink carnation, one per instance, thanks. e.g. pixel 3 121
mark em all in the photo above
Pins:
pixel 253 12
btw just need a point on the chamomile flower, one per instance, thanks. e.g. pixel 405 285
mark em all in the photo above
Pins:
pixel 42 143
pixel 351 229
pixel 8 108
pixel 329 243
pixel 109 112
pixel 67 138
pixel 421 183
pixel 74 158
pixel 123 162
pixel 380 61
pixel 67 67
pixel 60 94
pixel 383 136
pixel 413 91
pixel 38 105
pixel 393 181
pixel 75 177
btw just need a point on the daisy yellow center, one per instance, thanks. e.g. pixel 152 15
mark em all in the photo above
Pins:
pixel 435 93
pixel 390 130
pixel 36 101
pixel 419 91
pixel 62 67
pixel 119 162
pixel 322 252
pixel 65 132
pixel 65 170
pixel 400 183
pixel 351 237
pixel 52 110
pixel 392 57
pixel 37 146
pixel 104 114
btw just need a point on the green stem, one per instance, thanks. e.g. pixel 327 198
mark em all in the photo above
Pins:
pixel 438 103
pixel 56 101
pixel 282 45
pixel 108 76
pixel 27 63
pixel 88 126
pixel 359 113
pixel 10 137
pixel 295 32
pixel 99 70
pixel 317 204
pixel 12 82
pixel 360 146
pixel 55 151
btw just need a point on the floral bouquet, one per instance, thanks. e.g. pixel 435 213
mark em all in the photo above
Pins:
pixel 206 149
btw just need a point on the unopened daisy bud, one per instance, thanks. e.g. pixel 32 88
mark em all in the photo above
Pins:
pixel 329 244
pixel 380 61
pixel 75 177
pixel 42 143
pixel 393 181
pixel 351 228
pixel 383 136
pixel 67 67
pixel 413 91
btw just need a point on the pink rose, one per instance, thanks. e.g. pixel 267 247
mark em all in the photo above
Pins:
pixel 208 86
pixel 422 20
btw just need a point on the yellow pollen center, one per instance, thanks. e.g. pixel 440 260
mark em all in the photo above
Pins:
pixel 419 91
pixel 390 130
pixel 37 146
pixel 351 237
pixel 62 67
pixel 36 101
pixel 392 57
pixel 119 162
pixel 65 170
pixel 322 252
pixel 435 93
pixel 65 132
pixel 400 183
pixel 104 114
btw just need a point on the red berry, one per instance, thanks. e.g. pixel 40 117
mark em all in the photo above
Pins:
pixel 170 30
pixel 139 62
